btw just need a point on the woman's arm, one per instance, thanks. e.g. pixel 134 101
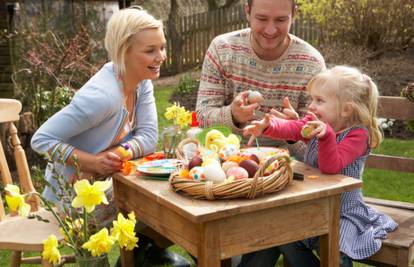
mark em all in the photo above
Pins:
pixel 333 157
pixel 87 110
pixel 145 139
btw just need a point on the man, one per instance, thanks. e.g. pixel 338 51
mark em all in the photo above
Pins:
pixel 264 58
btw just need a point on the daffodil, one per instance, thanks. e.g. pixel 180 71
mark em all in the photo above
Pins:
pixel 123 231
pixel 99 243
pixel 50 250
pixel 184 119
pixel 15 200
pixel 88 196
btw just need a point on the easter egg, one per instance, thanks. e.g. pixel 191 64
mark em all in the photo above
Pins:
pixel 228 150
pixel 250 166
pixel 195 161
pixel 228 164
pixel 255 158
pixel 214 173
pixel 307 130
pixel 197 174
pixel 271 168
pixel 238 173
pixel 254 97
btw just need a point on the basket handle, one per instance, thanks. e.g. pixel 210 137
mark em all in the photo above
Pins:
pixel 179 151
pixel 258 177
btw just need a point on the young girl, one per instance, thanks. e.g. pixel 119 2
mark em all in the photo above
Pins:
pixel 339 130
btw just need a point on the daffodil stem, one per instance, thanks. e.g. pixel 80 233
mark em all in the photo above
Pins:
pixel 85 225
pixel 61 223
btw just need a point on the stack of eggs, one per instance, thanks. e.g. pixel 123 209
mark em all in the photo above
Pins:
pixel 225 164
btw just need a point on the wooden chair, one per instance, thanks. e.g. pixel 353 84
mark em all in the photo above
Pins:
pixel 398 248
pixel 16 233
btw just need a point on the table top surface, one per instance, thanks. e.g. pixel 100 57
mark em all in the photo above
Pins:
pixel 206 210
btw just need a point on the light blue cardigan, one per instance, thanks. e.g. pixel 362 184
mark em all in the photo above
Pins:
pixel 92 123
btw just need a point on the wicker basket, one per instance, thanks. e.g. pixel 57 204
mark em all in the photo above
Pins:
pixel 246 188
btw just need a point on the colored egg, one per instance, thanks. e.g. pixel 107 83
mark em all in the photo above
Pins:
pixel 195 161
pixel 250 166
pixel 271 168
pixel 238 173
pixel 254 97
pixel 227 151
pixel 228 164
pixel 307 130
pixel 197 174
pixel 214 173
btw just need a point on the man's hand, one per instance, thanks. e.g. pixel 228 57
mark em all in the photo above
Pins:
pixel 288 112
pixel 241 111
pixel 256 128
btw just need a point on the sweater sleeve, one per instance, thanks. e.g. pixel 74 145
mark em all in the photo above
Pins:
pixel 87 109
pixel 211 107
pixel 333 157
pixel 144 140
pixel 286 129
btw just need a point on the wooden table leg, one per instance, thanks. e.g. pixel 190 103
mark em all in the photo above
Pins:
pixel 209 245
pixel 330 242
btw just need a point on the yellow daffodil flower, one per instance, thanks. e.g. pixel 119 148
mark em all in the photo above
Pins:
pixel 88 196
pixel 123 231
pixel 15 200
pixel 50 250
pixel 99 243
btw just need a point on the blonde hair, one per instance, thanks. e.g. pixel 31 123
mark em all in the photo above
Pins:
pixel 121 28
pixel 351 86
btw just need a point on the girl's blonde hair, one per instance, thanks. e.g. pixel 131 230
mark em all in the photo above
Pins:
pixel 121 28
pixel 351 86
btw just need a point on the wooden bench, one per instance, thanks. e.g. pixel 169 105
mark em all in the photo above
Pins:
pixel 398 248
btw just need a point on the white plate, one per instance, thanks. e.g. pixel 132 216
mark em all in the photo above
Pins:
pixel 162 167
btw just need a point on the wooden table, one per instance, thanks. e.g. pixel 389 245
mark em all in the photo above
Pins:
pixel 219 229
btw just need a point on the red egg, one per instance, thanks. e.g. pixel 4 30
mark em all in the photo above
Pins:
pixel 250 166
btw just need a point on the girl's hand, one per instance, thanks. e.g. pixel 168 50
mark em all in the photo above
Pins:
pixel 288 112
pixel 256 128
pixel 319 129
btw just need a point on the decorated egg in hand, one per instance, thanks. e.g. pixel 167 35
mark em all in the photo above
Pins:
pixel 254 97
pixel 228 150
pixel 307 130
pixel 238 172
pixel 197 174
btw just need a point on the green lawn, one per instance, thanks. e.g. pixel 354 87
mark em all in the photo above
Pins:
pixel 377 183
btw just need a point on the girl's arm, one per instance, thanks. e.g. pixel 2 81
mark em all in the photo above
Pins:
pixel 286 129
pixel 333 157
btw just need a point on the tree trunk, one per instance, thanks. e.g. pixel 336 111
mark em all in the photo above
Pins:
pixel 176 39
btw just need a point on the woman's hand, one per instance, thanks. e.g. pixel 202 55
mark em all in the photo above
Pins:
pixel 107 162
pixel 288 112
pixel 256 128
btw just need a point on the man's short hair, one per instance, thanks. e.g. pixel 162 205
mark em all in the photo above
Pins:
pixel 250 3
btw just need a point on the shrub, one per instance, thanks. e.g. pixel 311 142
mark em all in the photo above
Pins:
pixel 187 84
pixel 374 24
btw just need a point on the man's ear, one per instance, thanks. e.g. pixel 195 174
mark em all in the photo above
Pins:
pixel 347 109
pixel 247 11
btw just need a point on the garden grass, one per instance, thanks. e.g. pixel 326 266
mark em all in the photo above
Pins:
pixel 377 183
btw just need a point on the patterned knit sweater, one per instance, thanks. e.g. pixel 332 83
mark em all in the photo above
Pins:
pixel 231 66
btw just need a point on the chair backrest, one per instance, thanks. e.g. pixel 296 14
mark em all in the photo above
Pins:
pixel 9 113
pixel 399 108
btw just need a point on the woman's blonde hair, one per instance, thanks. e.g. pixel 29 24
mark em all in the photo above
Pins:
pixel 351 86
pixel 121 28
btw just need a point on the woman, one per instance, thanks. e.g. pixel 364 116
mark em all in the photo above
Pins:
pixel 116 107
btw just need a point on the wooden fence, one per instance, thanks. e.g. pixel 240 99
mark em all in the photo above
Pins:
pixel 195 33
